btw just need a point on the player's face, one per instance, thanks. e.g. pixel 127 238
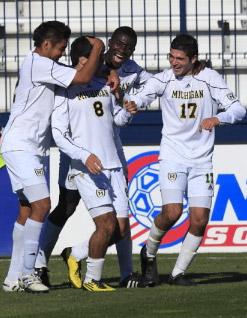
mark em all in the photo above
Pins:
pixel 180 63
pixel 55 51
pixel 120 50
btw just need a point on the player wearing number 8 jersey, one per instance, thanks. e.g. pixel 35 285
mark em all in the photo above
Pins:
pixel 82 126
pixel 132 76
pixel 190 100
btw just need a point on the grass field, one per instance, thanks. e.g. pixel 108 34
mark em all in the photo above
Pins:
pixel 221 292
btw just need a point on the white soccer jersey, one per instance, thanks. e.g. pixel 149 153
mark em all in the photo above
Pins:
pixel 185 102
pixel 28 127
pixel 132 77
pixel 82 122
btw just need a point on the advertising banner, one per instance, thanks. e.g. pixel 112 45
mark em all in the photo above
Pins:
pixel 227 228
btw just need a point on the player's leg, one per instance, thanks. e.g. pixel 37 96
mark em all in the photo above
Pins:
pixel 32 182
pixel 173 180
pixel 122 235
pixel 11 282
pixel 68 201
pixel 200 192
pixel 69 198
pixel 95 192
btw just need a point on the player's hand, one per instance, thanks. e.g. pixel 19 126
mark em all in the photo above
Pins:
pixel 131 107
pixel 209 123
pixel 114 82
pixel 96 42
pixel 93 164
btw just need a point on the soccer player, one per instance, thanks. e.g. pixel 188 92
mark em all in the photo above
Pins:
pixel 95 166
pixel 121 47
pixel 190 101
pixel 26 141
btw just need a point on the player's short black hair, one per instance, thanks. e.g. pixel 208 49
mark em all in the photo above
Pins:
pixel 80 47
pixel 186 43
pixel 55 31
pixel 126 30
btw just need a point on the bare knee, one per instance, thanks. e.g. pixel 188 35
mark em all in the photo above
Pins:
pixel 169 215
pixel 40 209
pixel 124 227
pixel 198 220
pixel 106 223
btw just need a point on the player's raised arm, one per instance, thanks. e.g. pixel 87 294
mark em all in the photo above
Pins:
pixel 85 74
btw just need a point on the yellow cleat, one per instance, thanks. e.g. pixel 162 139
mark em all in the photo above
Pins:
pixel 74 274
pixel 97 286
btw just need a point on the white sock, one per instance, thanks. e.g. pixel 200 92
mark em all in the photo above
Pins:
pixel 16 262
pixel 32 230
pixel 94 269
pixel 80 251
pixel 187 253
pixel 48 239
pixel 154 239
pixel 124 253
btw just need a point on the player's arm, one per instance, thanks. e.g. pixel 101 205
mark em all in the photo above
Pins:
pixel 94 164
pixel 153 88
pixel 142 78
pixel 209 123
pixel 85 74
pixel 123 115
pixel 226 100
pixel 61 129
pixel 113 81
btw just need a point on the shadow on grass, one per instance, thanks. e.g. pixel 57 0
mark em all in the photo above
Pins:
pixel 199 278
pixel 64 285
pixel 212 278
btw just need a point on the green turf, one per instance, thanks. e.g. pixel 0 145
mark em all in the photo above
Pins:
pixel 222 292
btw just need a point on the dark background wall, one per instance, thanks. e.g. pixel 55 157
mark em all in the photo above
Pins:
pixel 145 129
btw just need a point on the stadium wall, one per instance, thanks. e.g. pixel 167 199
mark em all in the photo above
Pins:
pixel 227 229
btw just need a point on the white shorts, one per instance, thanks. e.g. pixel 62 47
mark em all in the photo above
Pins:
pixel 103 193
pixel 177 180
pixel 26 171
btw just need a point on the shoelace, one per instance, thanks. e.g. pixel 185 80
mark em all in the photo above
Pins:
pixel 31 279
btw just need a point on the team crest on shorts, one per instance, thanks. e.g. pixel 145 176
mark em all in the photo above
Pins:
pixel 39 172
pixel 172 176
pixel 100 193
pixel 70 177
pixel 230 96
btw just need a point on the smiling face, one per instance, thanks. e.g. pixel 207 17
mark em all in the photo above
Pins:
pixel 121 47
pixel 180 63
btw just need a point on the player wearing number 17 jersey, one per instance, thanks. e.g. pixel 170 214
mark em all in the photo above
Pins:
pixel 190 101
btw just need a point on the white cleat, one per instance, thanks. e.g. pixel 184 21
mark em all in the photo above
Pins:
pixel 32 284
pixel 11 286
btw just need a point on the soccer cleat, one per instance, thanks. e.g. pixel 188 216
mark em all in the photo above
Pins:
pixel 74 268
pixel 97 286
pixel 74 274
pixel 180 280
pixel 66 254
pixel 133 280
pixel 42 273
pixel 149 269
pixel 10 286
pixel 32 284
